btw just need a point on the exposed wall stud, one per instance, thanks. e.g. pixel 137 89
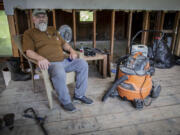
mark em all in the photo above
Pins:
pixel 74 27
pixel 94 29
pixel 12 34
pixel 129 30
pixel 146 24
pixel 112 34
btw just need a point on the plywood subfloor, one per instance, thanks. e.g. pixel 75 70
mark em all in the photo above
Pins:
pixel 114 117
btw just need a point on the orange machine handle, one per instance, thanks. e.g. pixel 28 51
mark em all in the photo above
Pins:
pixel 137 54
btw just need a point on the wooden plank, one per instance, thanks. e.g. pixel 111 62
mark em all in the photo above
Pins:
pixel 164 127
pixel 146 25
pixel 109 121
pixel 112 34
pixel 74 27
pixel 172 76
pixel 98 109
pixel 168 31
pixel 113 116
pixel 162 20
pixel 17 33
pixel 129 30
pixel 28 19
pixel 169 86
pixel 167 126
pixel 97 57
pixel 177 47
pixel 105 66
pixel 175 29
pixel 100 66
pixel 94 87
pixel 16 21
pixel 159 22
pixel 31 20
pixel 12 33
pixel 54 18
pixel 94 29
pixel 108 65
pixel 124 25
pixel 87 117
pixel 126 119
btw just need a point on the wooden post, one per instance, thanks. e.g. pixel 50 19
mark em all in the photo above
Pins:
pixel 17 33
pixel 28 18
pixel 94 29
pixel 123 25
pixel 31 20
pixel 112 34
pixel 74 27
pixel 105 66
pixel 145 26
pixel 177 47
pixel 16 22
pixel 159 22
pixel 162 20
pixel 12 33
pixel 175 29
pixel 54 18
pixel 129 31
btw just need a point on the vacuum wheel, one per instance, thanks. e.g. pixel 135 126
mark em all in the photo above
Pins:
pixel 138 103
pixel 147 101
pixel 155 91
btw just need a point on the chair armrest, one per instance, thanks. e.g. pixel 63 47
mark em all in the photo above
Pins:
pixel 31 60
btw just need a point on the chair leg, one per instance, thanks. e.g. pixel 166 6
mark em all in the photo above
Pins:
pixel 48 86
pixel 32 75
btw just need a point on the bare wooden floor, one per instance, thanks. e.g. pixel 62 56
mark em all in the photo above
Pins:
pixel 114 117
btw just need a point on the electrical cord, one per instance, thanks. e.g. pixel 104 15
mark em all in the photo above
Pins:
pixel 141 93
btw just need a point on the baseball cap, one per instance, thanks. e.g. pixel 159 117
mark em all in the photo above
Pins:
pixel 38 11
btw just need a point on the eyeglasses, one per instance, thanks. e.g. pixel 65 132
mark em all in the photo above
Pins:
pixel 43 16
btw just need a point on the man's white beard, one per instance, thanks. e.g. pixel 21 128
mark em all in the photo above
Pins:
pixel 42 26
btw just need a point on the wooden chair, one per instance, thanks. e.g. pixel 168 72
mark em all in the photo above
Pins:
pixel 70 77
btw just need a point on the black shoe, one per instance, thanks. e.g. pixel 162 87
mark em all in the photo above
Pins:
pixel 69 107
pixel 9 120
pixel 83 99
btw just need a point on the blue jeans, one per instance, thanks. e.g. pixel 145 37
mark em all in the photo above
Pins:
pixel 58 70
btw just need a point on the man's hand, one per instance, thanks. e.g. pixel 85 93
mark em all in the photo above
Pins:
pixel 43 63
pixel 73 55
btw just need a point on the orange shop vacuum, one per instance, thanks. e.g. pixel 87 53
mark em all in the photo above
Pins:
pixel 133 81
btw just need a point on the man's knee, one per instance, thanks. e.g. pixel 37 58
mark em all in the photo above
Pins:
pixel 83 64
pixel 58 71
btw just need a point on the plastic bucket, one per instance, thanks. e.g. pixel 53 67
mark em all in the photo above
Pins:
pixel 6 75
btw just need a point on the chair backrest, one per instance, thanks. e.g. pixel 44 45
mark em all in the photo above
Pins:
pixel 18 42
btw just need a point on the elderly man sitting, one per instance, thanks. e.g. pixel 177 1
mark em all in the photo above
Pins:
pixel 45 45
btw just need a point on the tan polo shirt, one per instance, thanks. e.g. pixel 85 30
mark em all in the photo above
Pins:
pixel 47 44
